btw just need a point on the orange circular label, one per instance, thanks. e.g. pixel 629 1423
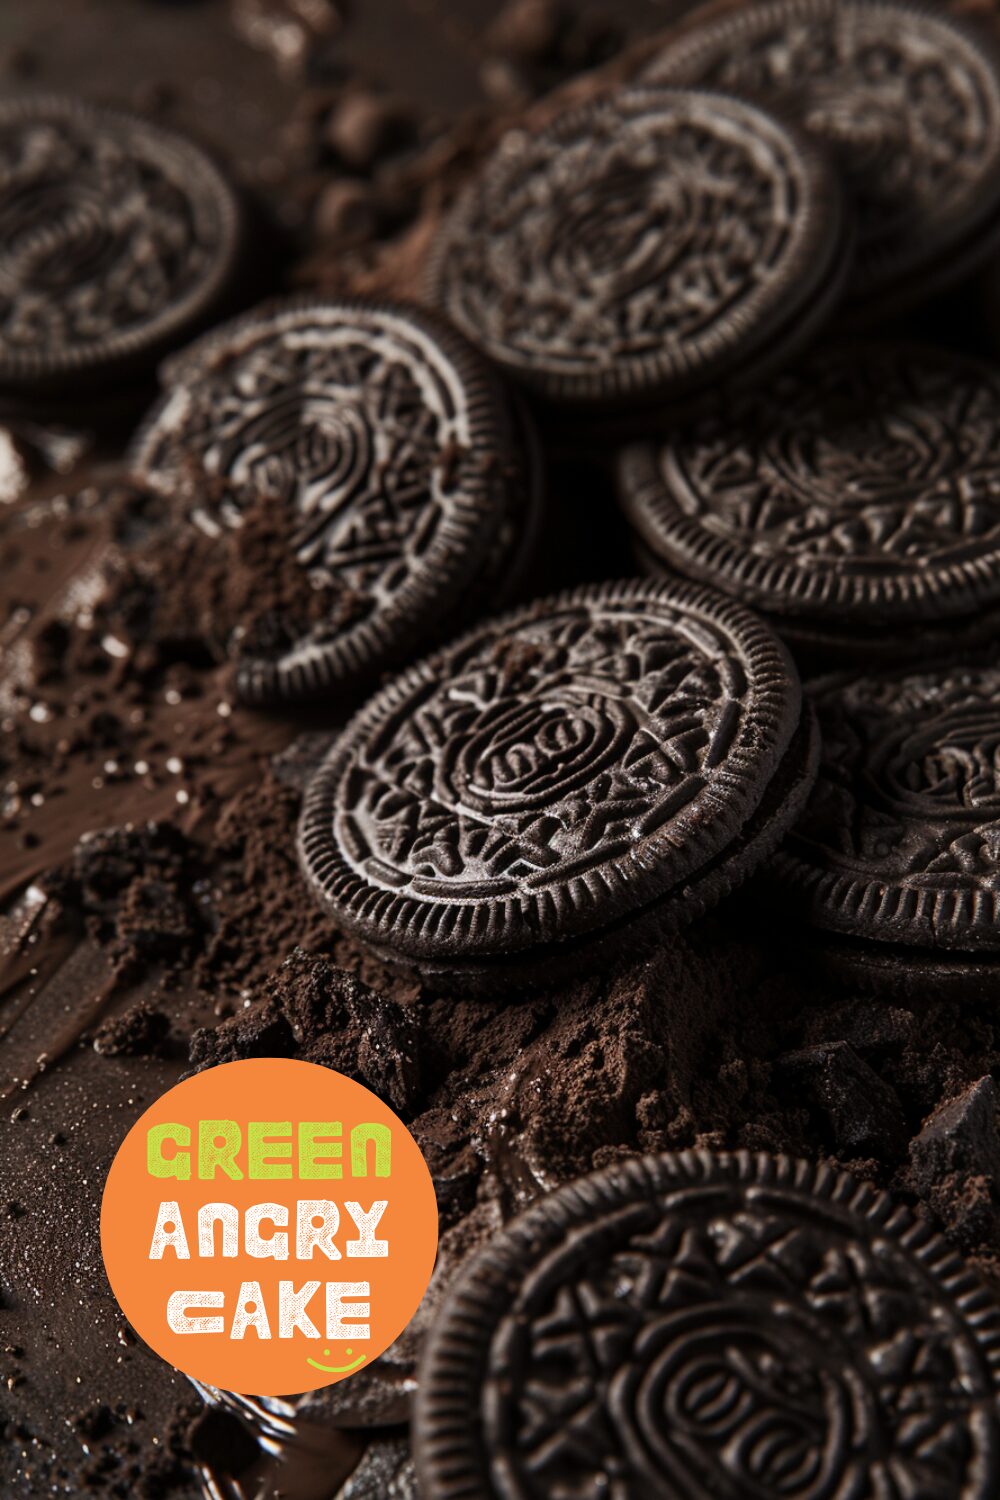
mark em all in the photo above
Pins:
pixel 269 1226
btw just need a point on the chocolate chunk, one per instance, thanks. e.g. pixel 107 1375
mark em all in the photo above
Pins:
pixel 29 450
pixel 295 34
pixel 708 1325
pixel 454 1164
pixel 906 97
pixel 869 1025
pixel 642 246
pixel 256 1032
pixel 511 804
pixel 852 494
pixel 863 1113
pixel 140 1032
pixel 320 1014
pixel 390 451
pixel 955 1165
pixel 118 238
pixel 960 1136
pixel 106 862
pixel 527 31
pixel 346 213
pixel 385 1473
pixel 134 889
pixel 363 127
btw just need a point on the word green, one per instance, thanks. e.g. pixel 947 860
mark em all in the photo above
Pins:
pixel 264 1149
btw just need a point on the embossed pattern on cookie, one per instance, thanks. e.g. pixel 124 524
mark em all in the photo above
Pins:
pixel 863 486
pixel 700 1327
pixel 900 840
pixel 550 774
pixel 116 238
pixel 389 442
pixel 907 98
pixel 640 245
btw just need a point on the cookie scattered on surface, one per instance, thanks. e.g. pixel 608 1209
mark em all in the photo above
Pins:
pixel 906 97
pixel 535 789
pixel 642 246
pixel 713 1326
pixel 117 238
pixel 390 443
pixel 899 841
pixel 859 491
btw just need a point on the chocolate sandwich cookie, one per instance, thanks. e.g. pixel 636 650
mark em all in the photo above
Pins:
pixel 898 849
pixel 854 498
pixel 517 554
pixel 908 99
pixel 593 770
pixel 116 239
pixel 642 246
pixel 393 457
pixel 700 1327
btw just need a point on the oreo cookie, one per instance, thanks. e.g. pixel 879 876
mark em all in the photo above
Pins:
pixel 117 238
pixel 908 99
pixel 859 493
pixel 643 246
pixel 393 456
pixel 713 1327
pixel 898 849
pixel 587 773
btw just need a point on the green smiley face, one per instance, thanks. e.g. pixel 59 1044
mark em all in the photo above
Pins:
pixel 337 1369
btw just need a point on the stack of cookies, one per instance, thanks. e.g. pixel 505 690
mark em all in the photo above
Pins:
pixel 593 771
